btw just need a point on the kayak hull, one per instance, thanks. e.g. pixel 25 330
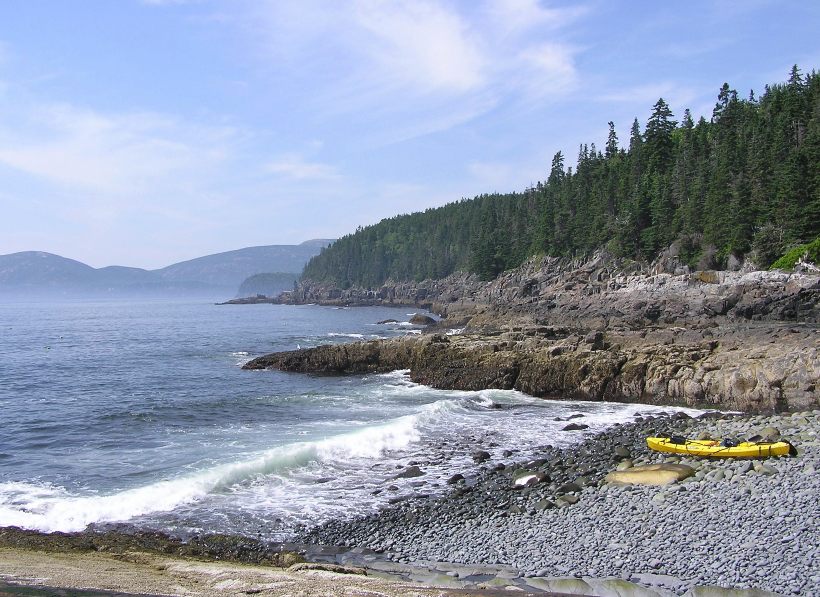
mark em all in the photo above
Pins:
pixel 713 449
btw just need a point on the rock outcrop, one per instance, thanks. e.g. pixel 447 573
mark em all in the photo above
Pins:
pixel 753 367
pixel 597 330
pixel 599 292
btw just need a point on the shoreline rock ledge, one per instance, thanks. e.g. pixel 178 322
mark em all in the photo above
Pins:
pixel 596 330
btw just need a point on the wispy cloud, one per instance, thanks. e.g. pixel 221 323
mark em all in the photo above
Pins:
pixel 420 45
pixel 517 16
pixel 415 64
pixel 296 167
pixel 502 176
pixel 646 95
pixel 108 152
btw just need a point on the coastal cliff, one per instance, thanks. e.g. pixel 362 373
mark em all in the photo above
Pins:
pixel 597 330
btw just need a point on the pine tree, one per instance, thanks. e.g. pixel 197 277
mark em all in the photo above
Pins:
pixel 658 137
pixel 748 180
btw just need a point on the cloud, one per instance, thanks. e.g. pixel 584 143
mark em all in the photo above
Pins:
pixel 492 176
pixel 420 45
pixel 415 64
pixel 647 95
pixel 115 153
pixel 546 69
pixel 517 16
pixel 295 167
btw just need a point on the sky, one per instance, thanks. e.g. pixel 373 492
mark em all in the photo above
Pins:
pixel 146 132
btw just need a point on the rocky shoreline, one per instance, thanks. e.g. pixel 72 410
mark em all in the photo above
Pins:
pixel 752 367
pixel 733 523
pixel 740 341
pixel 593 330
pixel 597 330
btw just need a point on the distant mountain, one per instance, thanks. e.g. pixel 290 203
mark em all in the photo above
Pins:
pixel 228 270
pixel 35 269
pixel 36 272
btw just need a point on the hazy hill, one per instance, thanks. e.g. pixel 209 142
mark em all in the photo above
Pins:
pixel 36 273
pixel 229 269
pixel 37 269
pixel 267 284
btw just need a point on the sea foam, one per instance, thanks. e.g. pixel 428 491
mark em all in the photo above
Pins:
pixel 50 508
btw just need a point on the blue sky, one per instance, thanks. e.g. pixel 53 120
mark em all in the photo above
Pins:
pixel 144 132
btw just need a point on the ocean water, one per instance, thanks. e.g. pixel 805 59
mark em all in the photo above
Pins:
pixel 139 412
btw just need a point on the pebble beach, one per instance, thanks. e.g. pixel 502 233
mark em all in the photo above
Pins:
pixel 735 523
pixel 735 527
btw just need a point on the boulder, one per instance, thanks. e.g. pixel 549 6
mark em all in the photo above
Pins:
pixel 384 321
pixel 651 474
pixel 595 340
pixel 480 456
pixel 575 427
pixel 418 319
pixel 410 472
pixel 567 500
pixel 621 452
pixel 769 434
pixel 286 559
pixel 568 488
pixel 526 478
pixel 543 505
pixel 455 479
pixel 624 464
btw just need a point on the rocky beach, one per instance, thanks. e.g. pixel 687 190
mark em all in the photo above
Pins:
pixel 602 330
pixel 555 524
pixel 735 523
pixel 744 343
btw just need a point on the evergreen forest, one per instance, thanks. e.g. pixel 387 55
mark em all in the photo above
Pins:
pixel 745 183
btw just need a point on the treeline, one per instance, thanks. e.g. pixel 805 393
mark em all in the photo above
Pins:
pixel 744 183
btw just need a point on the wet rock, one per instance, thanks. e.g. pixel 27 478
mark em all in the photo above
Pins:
pixel 526 478
pixel 567 500
pixel 480 456
pixel 419 319
pixel 621 452
pixel 670 338
pixel 574 427
pixel 410 472
pixel 543 505
pixel 568 488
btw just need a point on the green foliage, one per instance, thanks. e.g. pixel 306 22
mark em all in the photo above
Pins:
pixel 767 244
pixel 746 181
pixel 809 252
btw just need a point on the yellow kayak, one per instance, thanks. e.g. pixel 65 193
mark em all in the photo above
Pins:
pixel 715 449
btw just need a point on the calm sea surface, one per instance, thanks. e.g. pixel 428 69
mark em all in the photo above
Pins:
pixel 139 412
